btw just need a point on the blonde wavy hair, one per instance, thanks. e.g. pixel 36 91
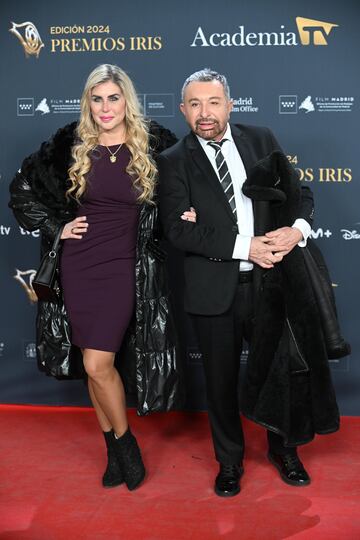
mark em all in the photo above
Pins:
pixel 141 167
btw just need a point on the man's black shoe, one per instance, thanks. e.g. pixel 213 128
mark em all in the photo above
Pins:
pixel 290 468
pixel 227 483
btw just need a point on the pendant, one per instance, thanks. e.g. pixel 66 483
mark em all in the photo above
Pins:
pixel 112 158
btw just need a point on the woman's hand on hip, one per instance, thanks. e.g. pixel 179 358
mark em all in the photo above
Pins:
pixel 75 228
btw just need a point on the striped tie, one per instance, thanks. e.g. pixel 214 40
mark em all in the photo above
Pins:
pixel 224 174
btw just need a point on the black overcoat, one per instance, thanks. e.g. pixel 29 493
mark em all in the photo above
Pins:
pixel 288 387
pixel 149 364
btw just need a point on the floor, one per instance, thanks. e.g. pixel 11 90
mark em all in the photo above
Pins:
pixel 52 460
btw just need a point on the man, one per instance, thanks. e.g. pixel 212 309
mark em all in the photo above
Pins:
pixel 205 171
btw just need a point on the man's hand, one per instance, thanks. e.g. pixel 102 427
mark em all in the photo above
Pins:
pixel 283 240
pixel 261 253
pixel 190 215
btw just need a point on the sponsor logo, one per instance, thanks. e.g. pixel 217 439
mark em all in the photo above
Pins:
pixel 307 105
pixel 194 356
pixel 350 234
pixel 320 233
pixel 33 234
pixel 25 278
pixel 43 107
pixel 4 230
pixel 29 351
pixel 334 103
pixel 244 105
pixel 153 105
pixel 25 106
pixel 29 37
pixel 309 31
pixel 244 356
pixel 157 105
pixel 288 104
pixel 340 364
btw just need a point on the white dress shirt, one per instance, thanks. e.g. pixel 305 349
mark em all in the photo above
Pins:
pixel 243 204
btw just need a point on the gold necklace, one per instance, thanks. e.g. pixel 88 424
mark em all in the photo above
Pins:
pixel 113 154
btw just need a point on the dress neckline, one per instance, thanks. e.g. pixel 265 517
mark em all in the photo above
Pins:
pixel 111 145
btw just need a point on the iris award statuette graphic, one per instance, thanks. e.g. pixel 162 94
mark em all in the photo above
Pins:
pixel 25 277
pixel 29 37
pixel 313 32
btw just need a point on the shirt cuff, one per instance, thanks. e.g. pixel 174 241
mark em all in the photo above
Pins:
pixel 305 229
pixel 242 247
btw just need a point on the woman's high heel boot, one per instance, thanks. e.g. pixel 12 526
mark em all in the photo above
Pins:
pixel 113 475
pixel 129 458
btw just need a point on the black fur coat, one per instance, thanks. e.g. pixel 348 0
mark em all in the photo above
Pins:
pixel 288 387
pixel 149 364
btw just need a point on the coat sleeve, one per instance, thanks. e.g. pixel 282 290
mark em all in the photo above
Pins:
pixel 29 211
pixel 174 198
pixel 307 208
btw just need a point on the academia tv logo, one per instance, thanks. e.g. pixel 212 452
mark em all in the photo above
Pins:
pixel 29 37
pixel 309 32
pixel 313 32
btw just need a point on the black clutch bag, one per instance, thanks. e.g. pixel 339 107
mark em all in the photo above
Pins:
pixel 45 283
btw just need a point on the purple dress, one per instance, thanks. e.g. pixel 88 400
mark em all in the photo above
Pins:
pixel 98 271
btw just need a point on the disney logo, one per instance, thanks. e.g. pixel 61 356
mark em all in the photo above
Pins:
pixel 350 235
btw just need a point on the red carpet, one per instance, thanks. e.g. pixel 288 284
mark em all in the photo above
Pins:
pixel 52 460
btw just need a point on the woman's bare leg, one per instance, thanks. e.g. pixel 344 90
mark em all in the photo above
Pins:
pixel 101 416
pixel 106 390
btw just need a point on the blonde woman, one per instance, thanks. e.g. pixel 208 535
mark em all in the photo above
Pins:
pixel 97 181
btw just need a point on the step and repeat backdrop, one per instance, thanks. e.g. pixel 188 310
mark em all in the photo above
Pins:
pixel 291 66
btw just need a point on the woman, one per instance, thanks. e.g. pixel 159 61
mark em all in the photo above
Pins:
pixel 96 181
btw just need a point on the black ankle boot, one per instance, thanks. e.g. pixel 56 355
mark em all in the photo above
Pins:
pixel 129 456
pixel 113 475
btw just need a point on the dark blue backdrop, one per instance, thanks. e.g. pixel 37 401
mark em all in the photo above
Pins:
pixel 299 77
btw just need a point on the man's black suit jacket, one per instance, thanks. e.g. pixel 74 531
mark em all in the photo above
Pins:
pixel 187 178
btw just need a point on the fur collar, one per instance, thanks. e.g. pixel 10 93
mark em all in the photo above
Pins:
pixel 47 169
pixel 274 179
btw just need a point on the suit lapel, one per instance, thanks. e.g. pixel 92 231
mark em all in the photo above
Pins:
pixel 243 145
pixel 201 161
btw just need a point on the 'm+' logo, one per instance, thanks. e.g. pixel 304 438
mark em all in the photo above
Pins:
pixel 313 32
